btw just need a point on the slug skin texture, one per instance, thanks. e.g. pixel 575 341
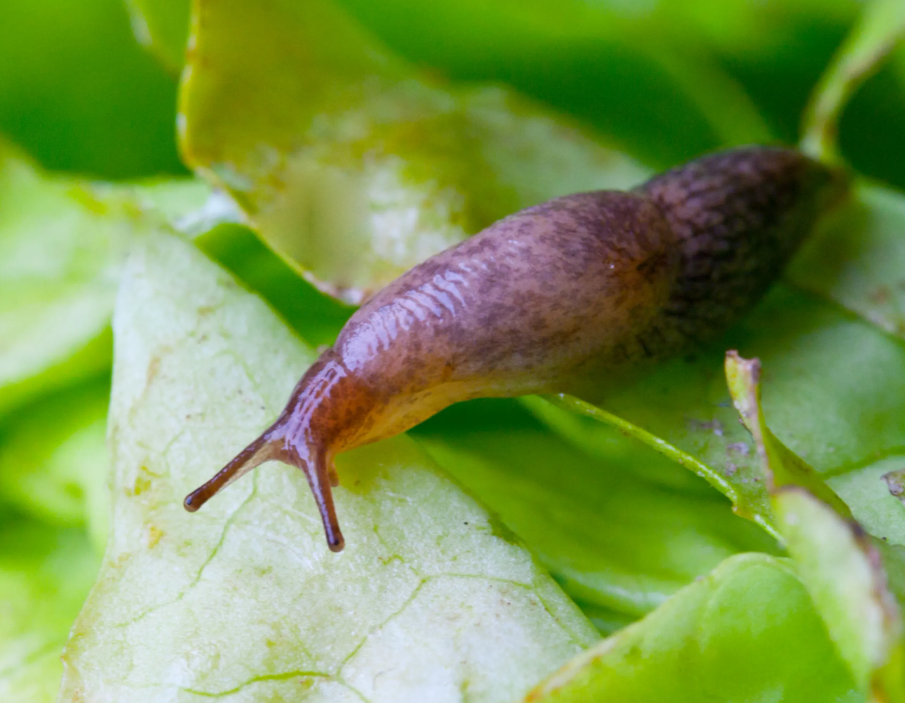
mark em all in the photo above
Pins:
pixel 591 285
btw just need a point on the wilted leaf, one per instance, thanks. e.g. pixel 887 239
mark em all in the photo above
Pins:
pixel 45 574
pixel 746 632
pixel 349 162
pixel 243 599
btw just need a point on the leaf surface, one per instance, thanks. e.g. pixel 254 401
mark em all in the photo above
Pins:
pixel 61 247
pixel 833 555
pixel 243 600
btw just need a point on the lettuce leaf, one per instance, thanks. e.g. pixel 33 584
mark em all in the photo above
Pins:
pixel 243 600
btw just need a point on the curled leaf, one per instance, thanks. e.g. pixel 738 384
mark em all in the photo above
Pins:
pixel 844 574
pixel 895 480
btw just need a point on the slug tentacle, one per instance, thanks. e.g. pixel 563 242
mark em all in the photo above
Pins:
pixel 252 456
pixel 302 436
pixel 591 285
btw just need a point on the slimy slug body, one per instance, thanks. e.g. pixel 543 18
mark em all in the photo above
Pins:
pixel 586 285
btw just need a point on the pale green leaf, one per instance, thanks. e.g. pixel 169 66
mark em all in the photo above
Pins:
pixel 845 577
pixel 62 245
pixel 61 248
pixel 244 600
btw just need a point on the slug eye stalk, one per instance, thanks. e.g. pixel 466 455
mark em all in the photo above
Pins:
pixel 274 444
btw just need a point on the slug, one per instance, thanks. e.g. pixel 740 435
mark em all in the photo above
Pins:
pixel 585 285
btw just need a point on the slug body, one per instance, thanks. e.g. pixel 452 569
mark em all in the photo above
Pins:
pixel 592 284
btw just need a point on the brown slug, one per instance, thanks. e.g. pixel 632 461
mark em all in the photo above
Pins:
pixel 591 284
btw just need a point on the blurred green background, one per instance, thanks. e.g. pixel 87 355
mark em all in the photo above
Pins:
pixel 660 77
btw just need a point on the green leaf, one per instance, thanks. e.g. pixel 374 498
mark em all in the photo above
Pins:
pixel 836 380
pixel 835 558
pixel 53 459
pixel 780 466
pixel 45 574
pixel 610 537
pixel 640 82
pixel 79 94
pixel 746 632
pixel 352 164
pixel 858 261
pixel 61 247
pixel 315 316
pixel 844 575
pixel 244 599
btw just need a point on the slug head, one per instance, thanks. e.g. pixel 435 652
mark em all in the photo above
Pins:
pixel 279 442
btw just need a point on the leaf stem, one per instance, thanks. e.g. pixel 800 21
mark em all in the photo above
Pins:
pixel 878 30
